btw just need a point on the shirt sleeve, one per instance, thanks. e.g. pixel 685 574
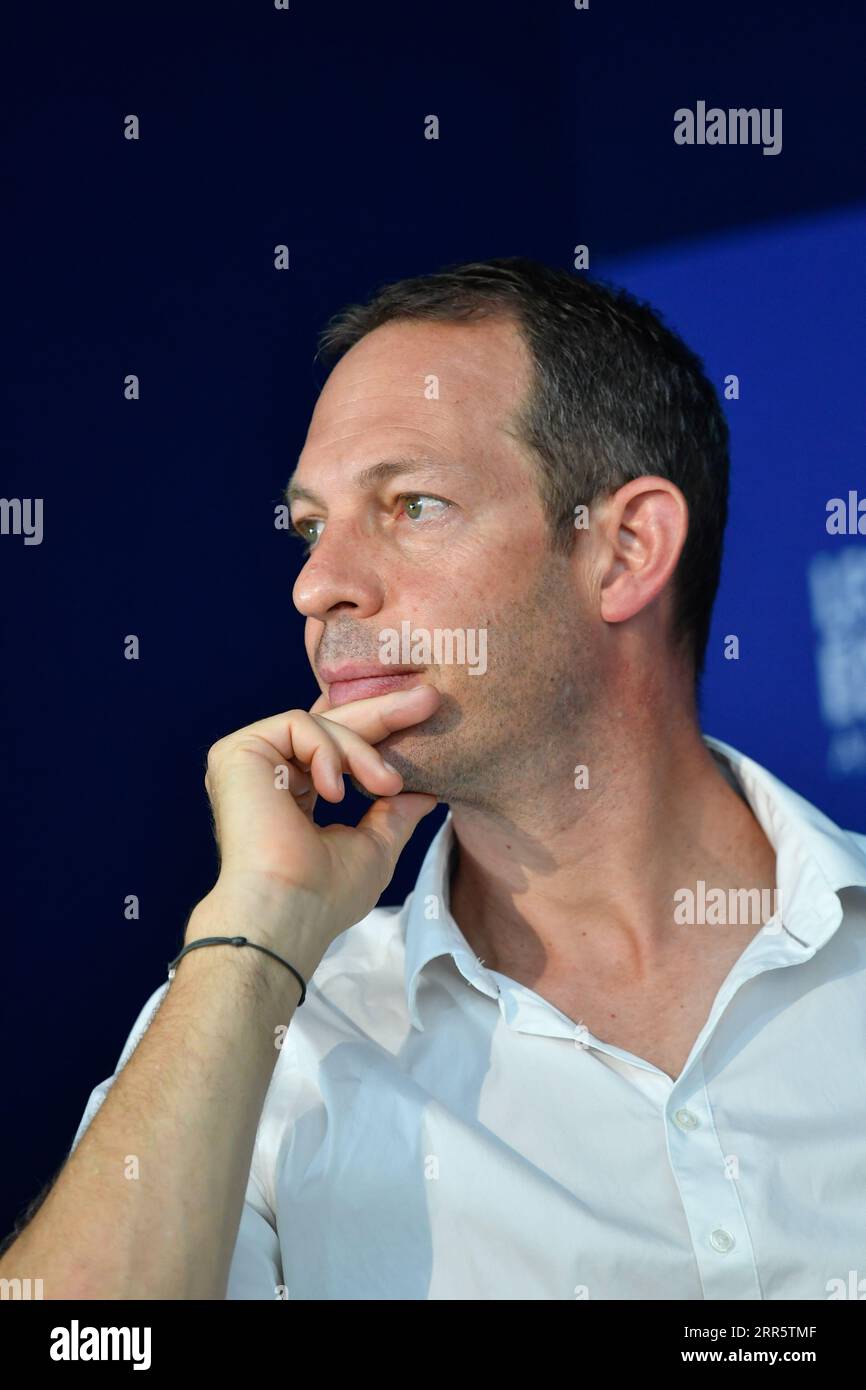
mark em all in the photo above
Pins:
pixel 256 1267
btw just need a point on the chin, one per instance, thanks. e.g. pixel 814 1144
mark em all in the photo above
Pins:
pixel 417 773
pixel 426 760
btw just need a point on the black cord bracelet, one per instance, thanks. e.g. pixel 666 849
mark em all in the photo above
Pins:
pixel 236 941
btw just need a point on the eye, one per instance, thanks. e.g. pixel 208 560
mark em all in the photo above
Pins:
pixel 304 530
pixel 414 503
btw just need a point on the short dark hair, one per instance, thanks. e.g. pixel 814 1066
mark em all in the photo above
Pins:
pixel 616 395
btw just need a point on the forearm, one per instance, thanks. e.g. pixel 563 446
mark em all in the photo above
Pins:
pixel 149 1204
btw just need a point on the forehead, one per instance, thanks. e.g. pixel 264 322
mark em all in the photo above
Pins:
pixel 427 387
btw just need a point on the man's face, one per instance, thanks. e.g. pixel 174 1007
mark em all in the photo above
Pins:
pixel 448 537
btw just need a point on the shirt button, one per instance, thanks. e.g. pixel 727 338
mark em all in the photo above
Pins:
pixel 686 1119
pixel 722 1241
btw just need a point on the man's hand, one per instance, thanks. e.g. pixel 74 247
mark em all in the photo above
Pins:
pixel 263 782
pixel 189 1099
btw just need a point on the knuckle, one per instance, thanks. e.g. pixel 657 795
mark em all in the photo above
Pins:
pixel 336 733
pixel 215 751
pixel 326 737
pixel 251 743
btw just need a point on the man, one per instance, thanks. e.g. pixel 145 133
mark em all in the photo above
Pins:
pixel 554 1073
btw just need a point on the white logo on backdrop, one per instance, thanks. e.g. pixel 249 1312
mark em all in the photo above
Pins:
pixel 837 588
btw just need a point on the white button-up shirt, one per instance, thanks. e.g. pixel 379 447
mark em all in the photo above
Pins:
pixel 435 1130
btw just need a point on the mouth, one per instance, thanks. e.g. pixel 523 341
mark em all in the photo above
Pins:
pixel 359 682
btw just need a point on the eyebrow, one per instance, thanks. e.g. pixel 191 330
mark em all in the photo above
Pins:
pixel 376 473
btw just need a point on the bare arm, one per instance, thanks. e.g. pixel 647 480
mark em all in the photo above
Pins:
pixel 149 1203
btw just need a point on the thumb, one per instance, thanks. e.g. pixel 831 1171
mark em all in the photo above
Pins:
pixel 391 820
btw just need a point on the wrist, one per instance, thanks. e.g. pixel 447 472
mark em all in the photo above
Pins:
pixel 288 921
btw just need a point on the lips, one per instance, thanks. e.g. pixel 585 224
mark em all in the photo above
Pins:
pixel 362 680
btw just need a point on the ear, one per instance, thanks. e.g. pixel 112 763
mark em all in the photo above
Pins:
pixel 642 531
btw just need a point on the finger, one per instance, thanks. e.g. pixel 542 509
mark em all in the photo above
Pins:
pixel 391 820
pixel 300 783
pixel 305 746
pixel 338 751
pixel 380 715
pixel 387 827
pixel 373 719
pixel 324 749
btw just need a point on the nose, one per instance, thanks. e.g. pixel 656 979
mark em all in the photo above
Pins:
pixel 339 574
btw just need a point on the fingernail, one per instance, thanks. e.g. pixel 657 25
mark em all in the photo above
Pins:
pixel 391 767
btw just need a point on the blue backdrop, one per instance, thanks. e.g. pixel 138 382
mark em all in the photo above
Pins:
pixel 155 257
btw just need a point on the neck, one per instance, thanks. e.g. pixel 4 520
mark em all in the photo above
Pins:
pixel 567 874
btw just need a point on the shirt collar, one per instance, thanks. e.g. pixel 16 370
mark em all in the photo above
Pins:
pixel 431 931
pixel 812 851
pixel 815 858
